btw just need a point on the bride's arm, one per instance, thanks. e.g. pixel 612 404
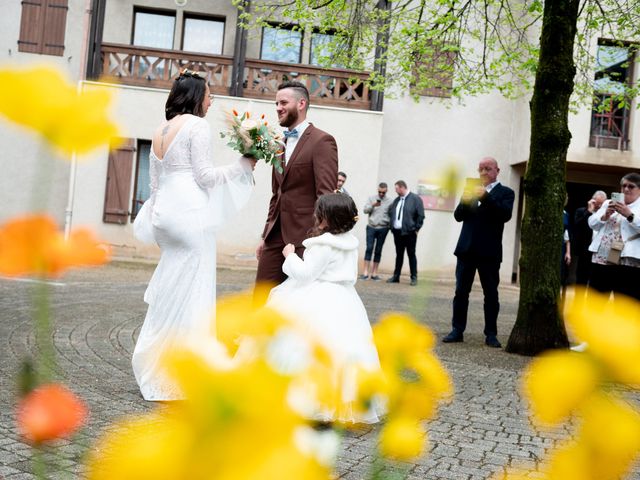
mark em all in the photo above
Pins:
pixel 315 262
pixel 205 174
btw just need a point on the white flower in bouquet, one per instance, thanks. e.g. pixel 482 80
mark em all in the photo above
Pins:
pixel 249 124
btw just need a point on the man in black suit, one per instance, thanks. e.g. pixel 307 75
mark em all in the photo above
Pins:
pixel 483 209
pixel 407 216
pixel 582 235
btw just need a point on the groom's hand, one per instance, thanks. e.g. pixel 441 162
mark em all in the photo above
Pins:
pixel 259 249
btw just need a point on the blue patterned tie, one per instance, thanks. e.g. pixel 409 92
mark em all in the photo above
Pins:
pixel 290 134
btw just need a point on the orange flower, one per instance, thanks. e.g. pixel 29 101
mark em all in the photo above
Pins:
pixel 50 412
pixel 262 117
pixel 33 245
pixel 235 113
pixel 247 115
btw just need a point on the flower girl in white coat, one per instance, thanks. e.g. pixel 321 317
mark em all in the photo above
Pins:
pixel 319 296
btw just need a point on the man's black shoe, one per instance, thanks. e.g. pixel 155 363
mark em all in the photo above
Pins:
pixel 492 342
pixel 393 279
pixel 414 281
pixel 453 337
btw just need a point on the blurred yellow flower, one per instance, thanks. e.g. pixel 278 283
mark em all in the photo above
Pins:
pixel 402 438
pixel 237 316
pixel 40 98
pixel 433 374
pixel 235 424
pixel 556 383
pixel 396 334
pixel 415 379
pixel 451 177
pixel 611 434
pixel 612 330
pixel 155 446
pixel 32 245
pixel 570 462
pixel 372 387
pixel 560 385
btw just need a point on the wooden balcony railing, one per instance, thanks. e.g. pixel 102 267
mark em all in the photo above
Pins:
pixel 156 68
pixel 337 87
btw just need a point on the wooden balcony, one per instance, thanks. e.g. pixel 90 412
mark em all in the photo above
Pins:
pixel 156 68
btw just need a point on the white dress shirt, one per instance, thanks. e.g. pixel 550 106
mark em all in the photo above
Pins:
pixel 399 212
pixel 291 143
pixel 488 188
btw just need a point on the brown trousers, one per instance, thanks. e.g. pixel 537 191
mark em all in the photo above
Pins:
pixel 270 264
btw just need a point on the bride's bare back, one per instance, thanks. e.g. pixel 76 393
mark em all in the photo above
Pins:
pixel 166 133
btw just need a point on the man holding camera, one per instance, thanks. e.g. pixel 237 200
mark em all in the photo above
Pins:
pixel 377 207
pixel 484 208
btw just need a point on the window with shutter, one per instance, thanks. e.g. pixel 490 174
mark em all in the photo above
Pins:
pixel 117 196
pixel 42 26
pixel 433 72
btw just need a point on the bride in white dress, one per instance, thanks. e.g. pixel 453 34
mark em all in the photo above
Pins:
pixel 190 200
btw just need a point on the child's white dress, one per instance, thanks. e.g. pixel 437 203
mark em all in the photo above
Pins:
pixel 319 296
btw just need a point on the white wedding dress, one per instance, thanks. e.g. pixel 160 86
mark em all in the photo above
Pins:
pixel 190 200
pixel 320 299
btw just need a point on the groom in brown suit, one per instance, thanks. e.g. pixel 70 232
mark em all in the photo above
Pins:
pixel 310 164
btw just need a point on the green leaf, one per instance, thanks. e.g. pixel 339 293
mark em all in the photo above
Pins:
pixel 26 378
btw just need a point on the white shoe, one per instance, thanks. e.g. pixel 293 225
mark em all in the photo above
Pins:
pixel 581 347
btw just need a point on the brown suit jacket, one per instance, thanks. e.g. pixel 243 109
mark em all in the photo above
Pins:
pixel 311 171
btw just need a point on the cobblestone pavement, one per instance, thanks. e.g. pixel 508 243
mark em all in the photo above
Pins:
pixel 99 312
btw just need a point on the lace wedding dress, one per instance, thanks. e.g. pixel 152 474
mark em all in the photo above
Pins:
pixel 190 200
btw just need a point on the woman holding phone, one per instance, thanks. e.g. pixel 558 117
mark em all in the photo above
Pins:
pixel 616 243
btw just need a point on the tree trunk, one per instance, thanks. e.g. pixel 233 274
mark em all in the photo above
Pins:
pixel 539 325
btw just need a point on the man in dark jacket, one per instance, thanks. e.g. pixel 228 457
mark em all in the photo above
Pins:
pixel 483 209
pixel 407 215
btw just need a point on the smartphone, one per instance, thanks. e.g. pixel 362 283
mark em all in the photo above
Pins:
pixel 617 197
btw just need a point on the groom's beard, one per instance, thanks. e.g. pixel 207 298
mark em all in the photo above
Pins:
pixel 291 118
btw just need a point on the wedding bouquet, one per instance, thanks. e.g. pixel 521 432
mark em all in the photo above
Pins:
pixel 255 138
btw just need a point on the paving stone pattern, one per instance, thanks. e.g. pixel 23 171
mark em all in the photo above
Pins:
pixel 98 314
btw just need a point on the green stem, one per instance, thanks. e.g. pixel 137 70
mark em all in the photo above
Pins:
pixel 45 356
pixel 377 468
pixel 39 464
pixel 42 179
